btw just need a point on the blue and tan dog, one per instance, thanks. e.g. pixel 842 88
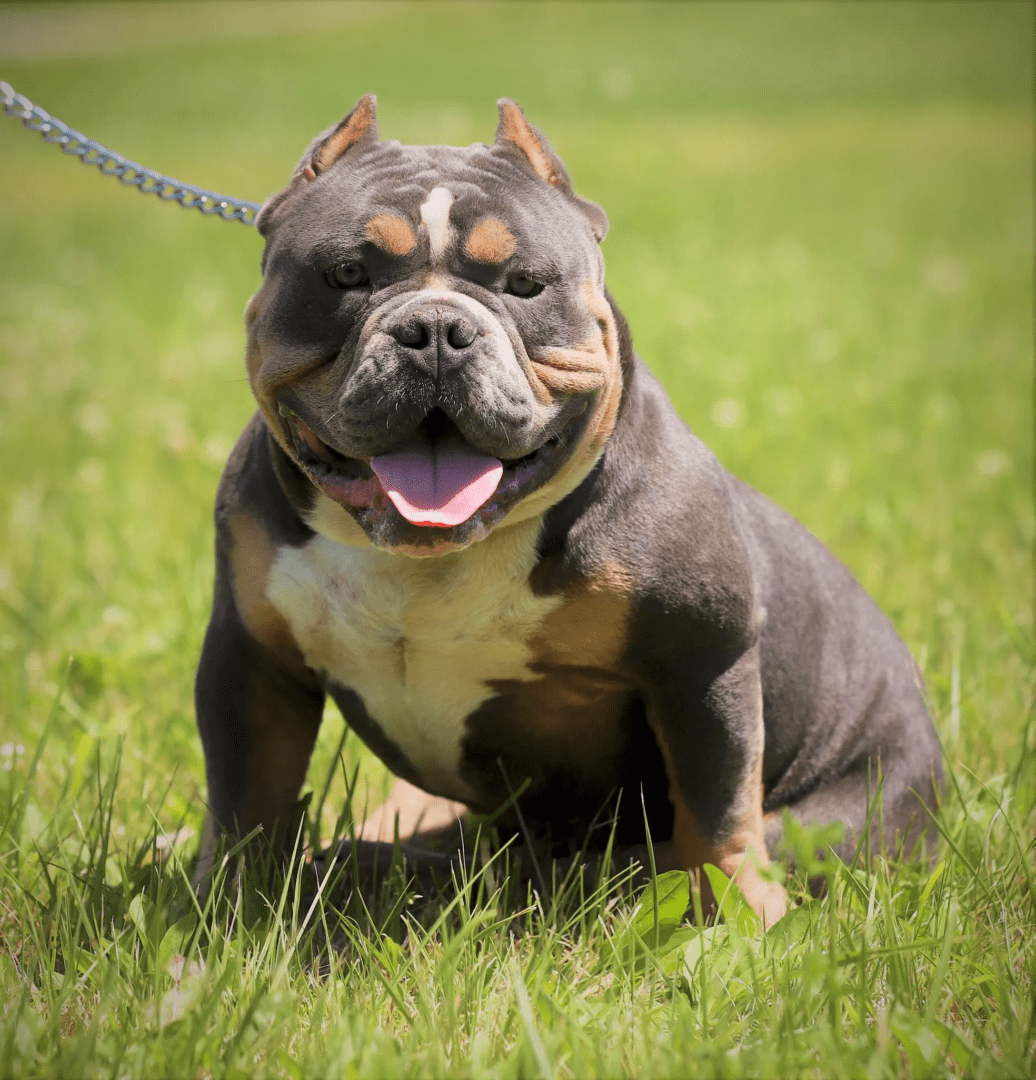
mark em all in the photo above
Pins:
pixel 468 512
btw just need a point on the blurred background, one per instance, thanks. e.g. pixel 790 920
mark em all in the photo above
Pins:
pixel 821 234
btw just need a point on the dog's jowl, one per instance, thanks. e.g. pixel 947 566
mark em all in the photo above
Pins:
pixel 467 511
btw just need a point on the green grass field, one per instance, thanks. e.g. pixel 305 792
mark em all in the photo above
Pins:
pixel 822 231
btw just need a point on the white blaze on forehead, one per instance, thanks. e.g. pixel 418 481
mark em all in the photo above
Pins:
pixel 435 216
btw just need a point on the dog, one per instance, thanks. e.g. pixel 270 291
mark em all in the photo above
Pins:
pixel 467 511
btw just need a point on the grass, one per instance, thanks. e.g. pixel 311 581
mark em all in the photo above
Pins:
pixel 822 222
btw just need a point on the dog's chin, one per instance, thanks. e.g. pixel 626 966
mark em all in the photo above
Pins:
pixel 353 485
pixel 390 531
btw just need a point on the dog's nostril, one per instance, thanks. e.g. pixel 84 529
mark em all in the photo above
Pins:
pixel 414 335
pixel 460 334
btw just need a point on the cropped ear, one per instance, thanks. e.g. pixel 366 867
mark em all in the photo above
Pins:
pixel 359 128
pixel 514 132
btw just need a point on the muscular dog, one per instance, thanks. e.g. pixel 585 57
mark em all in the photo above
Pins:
pixel 467 511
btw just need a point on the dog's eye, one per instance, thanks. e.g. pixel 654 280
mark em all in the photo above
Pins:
pixel 522 285
pixel 347 275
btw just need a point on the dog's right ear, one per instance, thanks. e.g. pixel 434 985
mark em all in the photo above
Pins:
pixel 358 129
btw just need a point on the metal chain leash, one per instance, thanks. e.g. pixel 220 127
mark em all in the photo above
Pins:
pixel 146 181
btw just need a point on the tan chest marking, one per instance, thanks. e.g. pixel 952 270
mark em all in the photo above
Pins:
pixel 419 640
pixel 572 716
pixel 252 554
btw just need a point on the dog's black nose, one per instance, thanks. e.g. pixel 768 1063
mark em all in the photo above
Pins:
pixel 460 333
pixel 412 333
pixel 439 330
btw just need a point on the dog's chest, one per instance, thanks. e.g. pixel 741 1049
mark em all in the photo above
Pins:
pixel 419 640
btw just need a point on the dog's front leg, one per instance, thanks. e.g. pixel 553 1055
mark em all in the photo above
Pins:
pixel 259 710
pixel 708 718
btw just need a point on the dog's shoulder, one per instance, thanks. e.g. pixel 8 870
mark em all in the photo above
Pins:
pixel 660 514
pixel 255 522
pixel 259 482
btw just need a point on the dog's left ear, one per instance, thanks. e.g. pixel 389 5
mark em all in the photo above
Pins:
pixel 359 129
pixel 514 132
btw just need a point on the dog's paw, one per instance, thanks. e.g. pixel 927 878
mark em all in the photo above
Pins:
pixel 767 898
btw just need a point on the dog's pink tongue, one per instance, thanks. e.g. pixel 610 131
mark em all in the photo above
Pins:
pixel 437 485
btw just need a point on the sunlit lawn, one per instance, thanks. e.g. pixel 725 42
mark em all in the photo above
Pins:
pixel 822 222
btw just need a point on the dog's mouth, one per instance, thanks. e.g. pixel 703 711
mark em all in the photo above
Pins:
pixel 435 479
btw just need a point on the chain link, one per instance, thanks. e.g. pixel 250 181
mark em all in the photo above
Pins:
pixel 146 181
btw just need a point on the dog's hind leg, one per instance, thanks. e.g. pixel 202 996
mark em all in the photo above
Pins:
pixel 884 802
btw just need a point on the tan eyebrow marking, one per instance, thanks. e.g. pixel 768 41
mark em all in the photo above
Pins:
pixel 392 234
pixel 491 241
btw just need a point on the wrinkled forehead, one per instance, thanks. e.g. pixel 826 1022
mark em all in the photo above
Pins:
pixel 434 202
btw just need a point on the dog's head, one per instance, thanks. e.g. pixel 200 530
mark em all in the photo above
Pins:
pixel 432 344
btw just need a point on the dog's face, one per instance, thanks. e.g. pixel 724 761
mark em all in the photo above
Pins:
pixel 431 343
